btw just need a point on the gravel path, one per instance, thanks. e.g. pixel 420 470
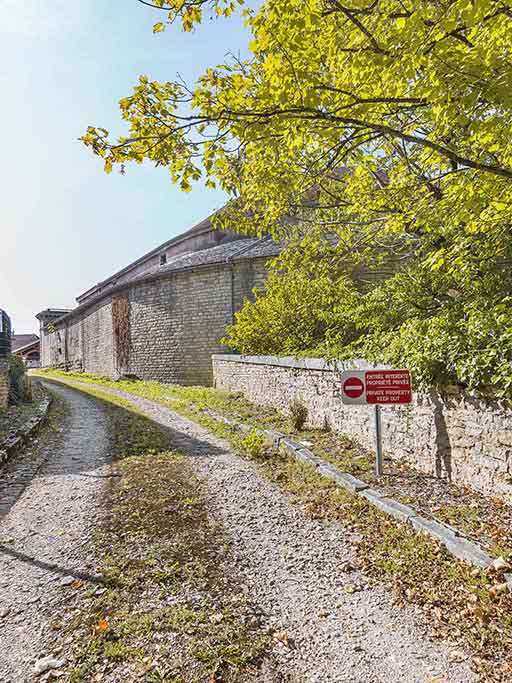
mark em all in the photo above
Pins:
pixel 292 564
pixel 46 515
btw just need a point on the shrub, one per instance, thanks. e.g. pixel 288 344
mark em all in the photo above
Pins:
pixel 20 383
pixel 254 444
pixel 298 414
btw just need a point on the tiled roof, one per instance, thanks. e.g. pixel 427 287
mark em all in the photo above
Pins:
pixel 247 248
pixel 19 340
pixel 251 247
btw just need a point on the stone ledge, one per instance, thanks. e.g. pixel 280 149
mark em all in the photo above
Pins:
pixel 14 443
pixel 292 362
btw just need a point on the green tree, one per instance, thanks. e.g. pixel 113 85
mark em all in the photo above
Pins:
pixel 376 134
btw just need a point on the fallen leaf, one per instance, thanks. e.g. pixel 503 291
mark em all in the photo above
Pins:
pixel 498 589
pixel 77 584
pixel 103 625
pixel 346 566
pixel 282 637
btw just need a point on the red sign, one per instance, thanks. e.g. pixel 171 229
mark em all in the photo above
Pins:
pixel 382 387
pixel 388 386
pixel 353 387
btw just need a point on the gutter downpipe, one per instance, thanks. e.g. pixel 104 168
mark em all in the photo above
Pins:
pixel 229 262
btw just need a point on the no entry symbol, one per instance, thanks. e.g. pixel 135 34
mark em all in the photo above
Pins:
pixel 353 387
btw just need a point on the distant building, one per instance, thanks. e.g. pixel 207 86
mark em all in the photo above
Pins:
pixel 27 346
pixel 5 334
pixel 164 315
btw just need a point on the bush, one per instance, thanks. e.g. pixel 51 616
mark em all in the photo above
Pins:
pixel 298 414
pixel 20 383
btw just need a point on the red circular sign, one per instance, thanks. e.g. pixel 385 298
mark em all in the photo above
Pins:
pixel 353 387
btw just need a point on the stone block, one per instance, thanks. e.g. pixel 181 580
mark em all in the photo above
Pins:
pixel 344 479
pixel 371 495
pixel 457 545
pixel 391 507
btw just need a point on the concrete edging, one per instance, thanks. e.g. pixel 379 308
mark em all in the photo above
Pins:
pixel 453 540
pixel 14 443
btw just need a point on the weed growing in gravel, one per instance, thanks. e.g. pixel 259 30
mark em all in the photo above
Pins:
pixel 254 444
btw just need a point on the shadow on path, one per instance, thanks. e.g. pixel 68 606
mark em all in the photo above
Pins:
pixel 51 567
pixel 78 449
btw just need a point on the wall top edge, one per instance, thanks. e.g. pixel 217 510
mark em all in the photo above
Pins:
pixel 293 362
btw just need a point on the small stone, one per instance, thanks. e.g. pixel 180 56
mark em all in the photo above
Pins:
pixel 47 664
pixel 67 581
pixel 500 564
pixel 457 656
pixel 4 612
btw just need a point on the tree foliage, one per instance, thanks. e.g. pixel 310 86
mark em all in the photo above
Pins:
pixel 369 136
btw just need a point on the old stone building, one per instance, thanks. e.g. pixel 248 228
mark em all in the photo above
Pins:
pixel 26 346
pixel 162 316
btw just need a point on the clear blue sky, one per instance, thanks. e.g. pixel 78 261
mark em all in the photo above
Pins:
pixel 65 223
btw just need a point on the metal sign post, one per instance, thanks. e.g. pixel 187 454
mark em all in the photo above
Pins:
pixel 379 467
pixel 376 387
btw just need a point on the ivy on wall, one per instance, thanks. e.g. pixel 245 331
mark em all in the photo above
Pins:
pixel 121 330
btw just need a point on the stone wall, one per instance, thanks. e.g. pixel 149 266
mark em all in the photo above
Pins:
pixel 455 436
pixel 176 322
pixel 4 384
pixel 82 342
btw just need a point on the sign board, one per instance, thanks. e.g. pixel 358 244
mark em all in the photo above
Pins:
pixel 376 387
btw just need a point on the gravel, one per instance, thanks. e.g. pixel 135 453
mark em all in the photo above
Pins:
pixel 48 499
pixel 331 625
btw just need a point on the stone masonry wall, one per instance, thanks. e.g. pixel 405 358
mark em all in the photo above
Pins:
pixel 176 323
pixel 456 436
pixel 82 342
pixel 4 384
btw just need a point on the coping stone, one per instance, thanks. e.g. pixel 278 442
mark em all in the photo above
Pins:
pixel 394 508
pixel 468 551
pixel 291 445
pixel 297 363
pixel 306 454
pixel 344 479
pixel 371 495
pixel 458 546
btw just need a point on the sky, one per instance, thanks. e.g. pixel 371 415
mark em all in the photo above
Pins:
pixel 65 224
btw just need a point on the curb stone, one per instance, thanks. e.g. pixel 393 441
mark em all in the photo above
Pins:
pixel 15 442
pixel 453 539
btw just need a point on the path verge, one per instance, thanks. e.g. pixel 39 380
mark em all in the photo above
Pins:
pixel 453 539
pixel 27 424
pixel 464 604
